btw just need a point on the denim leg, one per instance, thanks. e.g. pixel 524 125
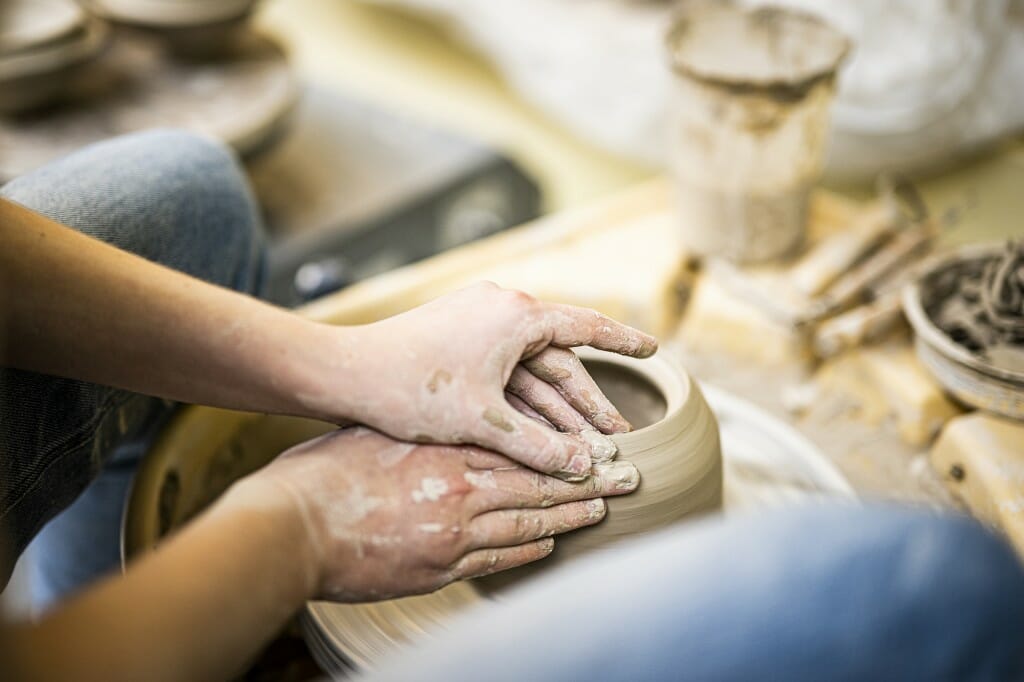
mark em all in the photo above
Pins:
pixel 171 197
pixel 815 593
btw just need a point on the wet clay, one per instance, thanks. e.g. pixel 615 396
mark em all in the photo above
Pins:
pixel 979 304
pixel 674 445
pixel 638 400
pixel 496 419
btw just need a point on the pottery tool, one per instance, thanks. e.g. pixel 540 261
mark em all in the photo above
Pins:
pixel 864 324
pixel 839 269
pixel 842 291
pixel 888 233
pixel 873 289
pixel 891 261
pixel 821 266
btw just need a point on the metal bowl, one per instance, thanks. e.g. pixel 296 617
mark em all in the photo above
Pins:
pixel 968 377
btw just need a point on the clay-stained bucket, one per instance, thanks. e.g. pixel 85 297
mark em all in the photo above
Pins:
pixel 748 125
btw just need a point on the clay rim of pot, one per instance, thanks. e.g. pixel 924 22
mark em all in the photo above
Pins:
pixel 664 374
pixel 924 327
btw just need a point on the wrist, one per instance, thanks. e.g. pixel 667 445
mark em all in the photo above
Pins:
pixel 326 377
pixel 270 509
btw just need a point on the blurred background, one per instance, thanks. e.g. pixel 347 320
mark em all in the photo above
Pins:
pixel 381 133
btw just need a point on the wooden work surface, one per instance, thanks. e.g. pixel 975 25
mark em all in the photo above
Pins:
pixel 864 443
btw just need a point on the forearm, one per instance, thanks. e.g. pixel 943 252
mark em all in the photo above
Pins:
pixel 76 307
pixel 197 608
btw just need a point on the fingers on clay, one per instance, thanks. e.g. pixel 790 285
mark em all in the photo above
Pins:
pixel 524 408
pixel 483 562
pixel 522 488
pixel 563 370
pixel 539 447
pixel 507 527
pixel 546 400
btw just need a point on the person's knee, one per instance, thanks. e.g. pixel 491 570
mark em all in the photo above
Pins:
pixel 211 227
pixel 185 163
pixel 951 580
pixel 171 196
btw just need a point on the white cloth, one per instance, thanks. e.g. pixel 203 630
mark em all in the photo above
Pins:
pixel 927 80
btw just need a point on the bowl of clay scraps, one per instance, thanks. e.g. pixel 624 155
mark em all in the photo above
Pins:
pixel 967 312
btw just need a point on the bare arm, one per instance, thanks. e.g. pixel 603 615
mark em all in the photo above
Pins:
pixel 204 602
pixel 196 609
pixel 73 306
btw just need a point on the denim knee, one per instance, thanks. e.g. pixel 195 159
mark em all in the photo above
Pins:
pixel 969 593
pixel 170 196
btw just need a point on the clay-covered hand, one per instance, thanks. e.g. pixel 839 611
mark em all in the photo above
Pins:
pixel 438 374
pixel 388 519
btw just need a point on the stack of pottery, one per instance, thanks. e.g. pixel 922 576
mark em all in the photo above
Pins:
pixel 190 64
pixel 171 13
pixel 195 27
pixel 43 46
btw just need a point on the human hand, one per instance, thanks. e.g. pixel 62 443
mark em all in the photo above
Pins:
pixel 474 366
pixel 388 519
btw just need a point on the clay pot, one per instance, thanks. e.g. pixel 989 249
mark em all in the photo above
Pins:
pixel 674 444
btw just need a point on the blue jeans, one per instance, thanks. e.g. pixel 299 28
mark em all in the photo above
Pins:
pixel 174 198
pixel 807 594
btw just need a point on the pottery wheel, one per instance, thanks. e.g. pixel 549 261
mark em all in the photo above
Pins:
pixel 767 463
pixel 240 98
